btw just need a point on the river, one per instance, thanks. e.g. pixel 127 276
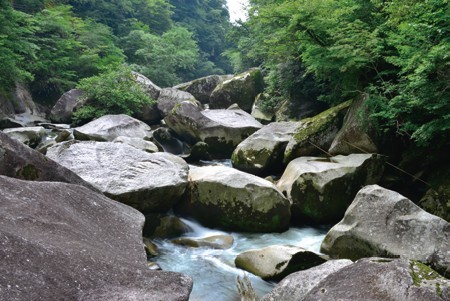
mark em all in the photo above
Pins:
pixel 213 270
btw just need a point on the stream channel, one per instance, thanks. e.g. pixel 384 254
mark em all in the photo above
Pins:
pixel 213 270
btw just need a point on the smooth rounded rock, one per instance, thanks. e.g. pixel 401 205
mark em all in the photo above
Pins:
pixel 222 197
pixel 276 262
pixel 321 189
pixel 382 222
pixel 109 127
pixel 214 242
pixel 148 182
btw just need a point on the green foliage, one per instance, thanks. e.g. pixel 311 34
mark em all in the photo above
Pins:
pixel 111 92
pixel 161 58
pixel 397 51
pixel 15 48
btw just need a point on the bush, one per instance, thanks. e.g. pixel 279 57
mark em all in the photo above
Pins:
pixel 112 92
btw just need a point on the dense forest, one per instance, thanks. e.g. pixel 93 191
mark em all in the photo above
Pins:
pixel 53 44
pixel 395 52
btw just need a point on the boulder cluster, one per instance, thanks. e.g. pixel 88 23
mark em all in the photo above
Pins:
pixel 76 202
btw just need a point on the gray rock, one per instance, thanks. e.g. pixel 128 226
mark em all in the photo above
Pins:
pixel 63 136
pixel 19 161
pixel 437 201
pixel 30 136
pixel 165 139
pixel 64 108
pixel 263 151
pixel 380 279
pixel 164 226
pixel 382 222
pixel 66 242
pixel 226 198
pixel 276 262
pixel 202 88
pixel 138 143
pixel 222 130
pixel 109 127
pixel 214 242
pixel 44 146
pixel 295 286
pixel 149 113
pixel 149 87
pixel 258 112
pixel 316 134
pixel 241 89
pixel 321 189
pixel 148 182
pixel 356 134
pixel 170 97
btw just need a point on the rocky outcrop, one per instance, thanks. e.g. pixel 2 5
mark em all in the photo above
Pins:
pixel 381 279
pixel 221 242
pixel 202 88
pixel 30 136
pixel 109 127
pixel 148 182
pixel 19 161
pixel 148 86
pixel 263 151
pixel 241 89
pixel 382 222
pixel 276 262
pixel 222 130
pixel 296 285
pixel 138 143
pixel 170 97
pixel 222 197
pixel 321 189
pixel 66 105
pixel 316 134
pixel 148 113
pixel 66 242
pixel 356 134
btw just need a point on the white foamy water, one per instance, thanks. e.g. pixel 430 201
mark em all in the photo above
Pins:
pixel 213 271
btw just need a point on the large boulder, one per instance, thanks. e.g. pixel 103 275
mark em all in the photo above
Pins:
pixel 382 222
pixel 170 97
pixel 321 189
pixel 296 285
pixel 151 89
pixel 222 130
pixel 19 161
pixel 148 182
pixel 381 279
pixel 277 261
pixel 202 88
pixel 241 89
pixel 316 134
pixel 66 242
pixel 356 134
pixel 30 136
pixel 262 152
pixel 64 108
pixel 109 127
pixel 222 197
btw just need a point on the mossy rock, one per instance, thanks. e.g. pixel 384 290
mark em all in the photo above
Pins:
pixel 317 133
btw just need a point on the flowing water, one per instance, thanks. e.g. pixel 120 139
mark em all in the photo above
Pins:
pixel 213 271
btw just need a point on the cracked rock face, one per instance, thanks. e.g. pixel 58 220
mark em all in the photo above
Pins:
pixel 65 242
pixel 149 182
pixel 381 222
pixel 226 198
